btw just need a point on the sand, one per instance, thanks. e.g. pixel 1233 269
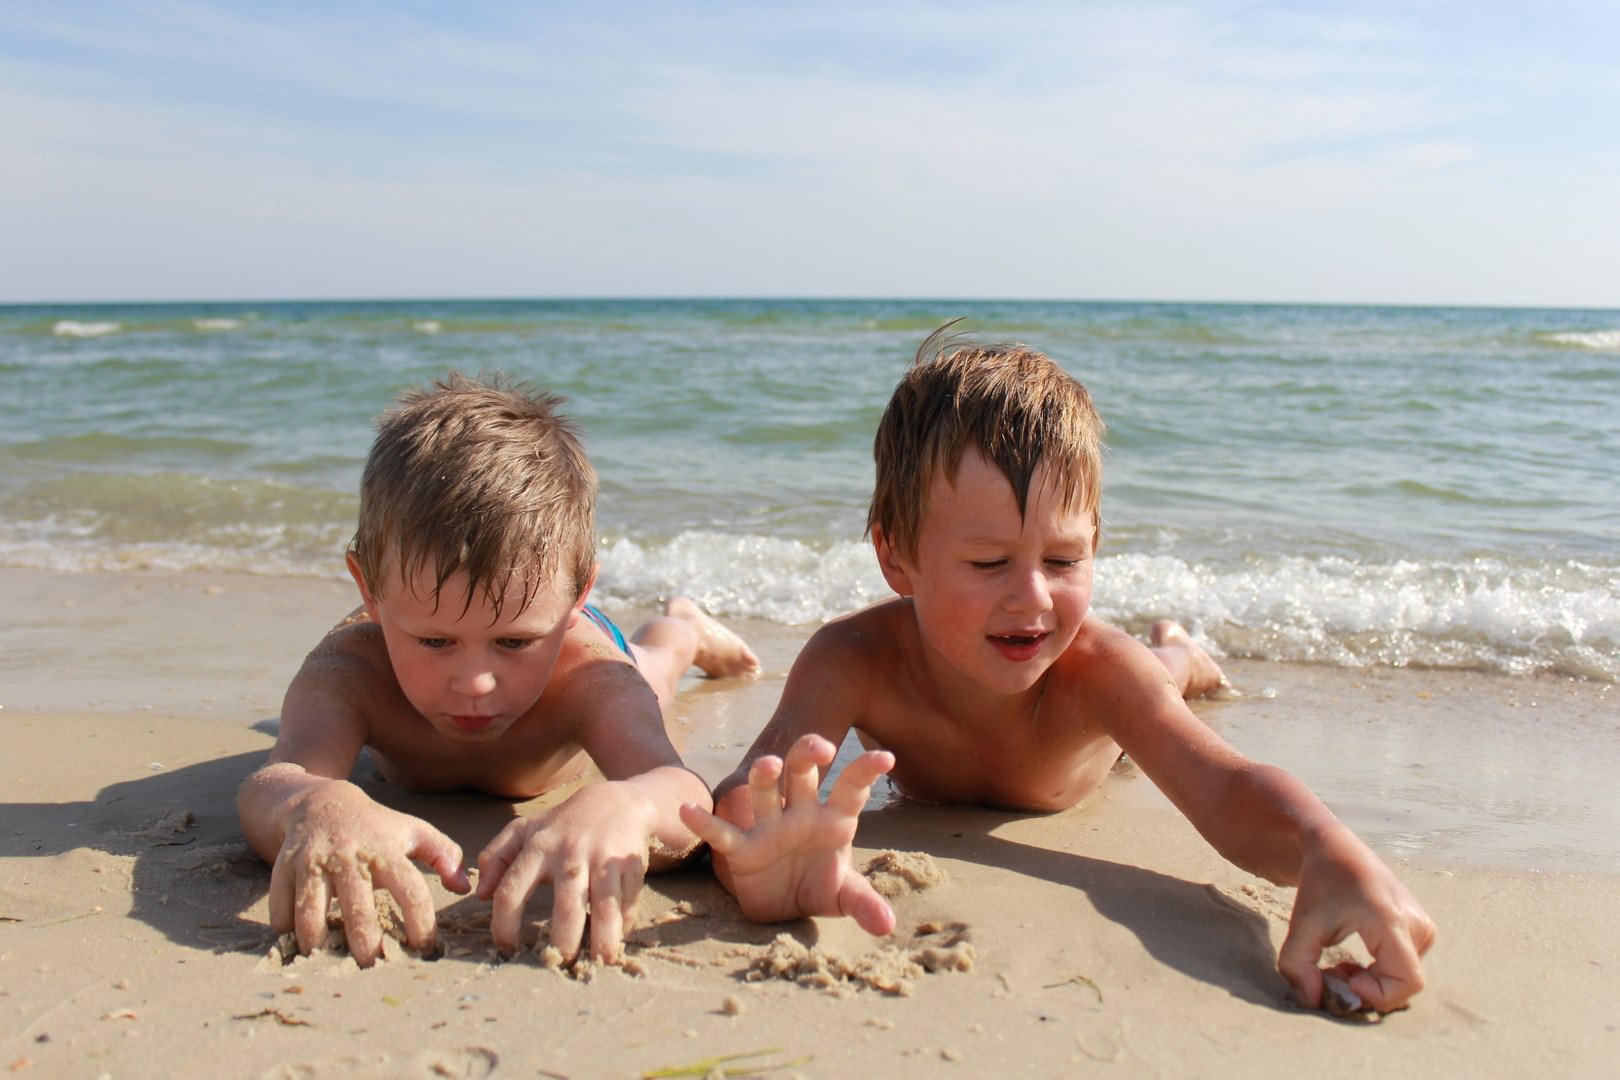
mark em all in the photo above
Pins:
pixel 1106 940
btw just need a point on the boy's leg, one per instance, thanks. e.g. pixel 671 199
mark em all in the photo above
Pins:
pixel 1190 667
pixel 685 635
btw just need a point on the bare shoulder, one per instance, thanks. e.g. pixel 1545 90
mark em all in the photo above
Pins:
pixel 352 655
pixel 325 713
pixel 858 650
pixel 1105 664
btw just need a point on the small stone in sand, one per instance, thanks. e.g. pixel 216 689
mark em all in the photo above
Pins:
pixel 1344 1003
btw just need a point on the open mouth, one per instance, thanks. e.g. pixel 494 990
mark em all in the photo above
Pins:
pixel 1018 646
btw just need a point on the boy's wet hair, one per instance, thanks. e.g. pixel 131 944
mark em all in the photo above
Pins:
pixel 481 475
pixel 1012 404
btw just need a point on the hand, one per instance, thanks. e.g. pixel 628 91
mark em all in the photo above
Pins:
pixel 592 849
pixel 1345 889
pixel 796 860
pixel 338 842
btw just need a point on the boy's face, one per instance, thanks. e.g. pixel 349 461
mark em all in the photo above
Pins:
pixel 471 674
pixel 997 597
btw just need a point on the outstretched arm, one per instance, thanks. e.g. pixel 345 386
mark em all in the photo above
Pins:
pixel 795 859
pixel 1269 823
pixel 326 838
pixel 597 846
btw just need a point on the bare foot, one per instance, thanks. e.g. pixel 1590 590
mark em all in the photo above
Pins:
pixel 1203 673
pixel 720 652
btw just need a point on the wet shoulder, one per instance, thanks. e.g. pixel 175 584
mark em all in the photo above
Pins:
pixel 354 649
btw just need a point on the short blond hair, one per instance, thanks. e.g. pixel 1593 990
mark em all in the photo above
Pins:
pixel 1012 404
pixel 481 475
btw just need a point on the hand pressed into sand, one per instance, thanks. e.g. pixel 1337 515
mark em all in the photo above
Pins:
pixel 593 849
pixel 339 843
pixel 1344 889
pixel 796 860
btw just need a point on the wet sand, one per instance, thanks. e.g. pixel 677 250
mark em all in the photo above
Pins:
pixel 133 922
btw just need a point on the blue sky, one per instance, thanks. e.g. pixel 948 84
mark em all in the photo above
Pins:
pixel 1354 152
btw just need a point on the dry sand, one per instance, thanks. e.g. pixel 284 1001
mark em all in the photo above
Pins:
pixel 1108 940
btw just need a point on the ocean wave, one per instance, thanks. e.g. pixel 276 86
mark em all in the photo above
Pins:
pixel 1588 339
pixel 1551 617
pixel 77 329
pixel 215 324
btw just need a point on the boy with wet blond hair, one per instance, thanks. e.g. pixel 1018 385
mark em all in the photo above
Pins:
pixel 475 662
pixel 988 681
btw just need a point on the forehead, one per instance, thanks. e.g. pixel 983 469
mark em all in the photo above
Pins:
pixel 459 599
pixel 978 498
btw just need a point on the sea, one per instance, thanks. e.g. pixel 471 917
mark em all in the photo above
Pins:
pixel 1354 486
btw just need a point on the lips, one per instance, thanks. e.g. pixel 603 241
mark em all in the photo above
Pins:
pixel 1018 646
pixel 472 724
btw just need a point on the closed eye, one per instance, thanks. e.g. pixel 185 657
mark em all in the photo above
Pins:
pixel 433 642
pixel 514 644
pixel 987 564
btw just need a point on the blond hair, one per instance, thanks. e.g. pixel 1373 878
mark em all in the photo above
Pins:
pixel 483 476
pixel 1010 403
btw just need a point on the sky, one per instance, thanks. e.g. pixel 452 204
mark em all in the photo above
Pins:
pixel 1353 152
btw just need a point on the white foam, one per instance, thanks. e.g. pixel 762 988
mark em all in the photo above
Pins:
pixel 1557 616
pixel 1591 339
pixel 426 326
pixel 73 328
pixel 216 324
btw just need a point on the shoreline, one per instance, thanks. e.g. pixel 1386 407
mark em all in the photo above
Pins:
pixel 133 917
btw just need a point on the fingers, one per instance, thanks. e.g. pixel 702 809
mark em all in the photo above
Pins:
pixel 569 907
pixel 854 785
pixel 1396 973
pixel 497 857
pixel 352 883
pixel 607 912
pixel 762 788
pixel 310 904
pixel 443 855
pixel 410 892
pixel 720 834
pixel 806 761
pixel 1297 961
pixel 281 894
pixel 509 886
pixel 858 900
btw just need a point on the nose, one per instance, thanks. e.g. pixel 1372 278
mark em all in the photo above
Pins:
pixel 473 680
pixel 1029 591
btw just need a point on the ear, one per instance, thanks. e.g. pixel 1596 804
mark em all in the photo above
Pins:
pixel 367 599
pixel 584 595
pixel 890 561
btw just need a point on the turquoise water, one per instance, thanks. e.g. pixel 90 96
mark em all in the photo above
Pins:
pixel 1337 484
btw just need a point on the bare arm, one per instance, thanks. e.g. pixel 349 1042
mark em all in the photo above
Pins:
pixel 326 838
pixel 1270 823
pixel 776 847
pixel 596 847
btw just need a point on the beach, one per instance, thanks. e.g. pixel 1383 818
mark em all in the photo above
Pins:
pixel 1110 938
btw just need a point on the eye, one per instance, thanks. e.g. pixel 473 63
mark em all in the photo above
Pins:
pixel 433 642
pixel 514 644
pixel 987 564
pixel 1063 564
